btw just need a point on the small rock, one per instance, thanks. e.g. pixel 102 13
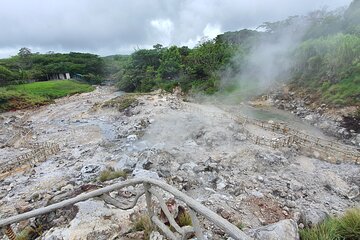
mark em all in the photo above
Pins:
pixel 156 236
pixel 91 168
pixel 256 194
pixel 89 172
pixel 225 214
pixel 220 184
pixel 188 166
pixel 67 188
pixel 353 192
pixel 290 204
pixel 310 117
pixel 131 138
pixel 23 207
pixel 295 185
pixel 296 216
pixel 240 136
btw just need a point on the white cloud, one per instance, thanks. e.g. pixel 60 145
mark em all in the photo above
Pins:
pixel 165 28
pixel 111 26
pixel 212 31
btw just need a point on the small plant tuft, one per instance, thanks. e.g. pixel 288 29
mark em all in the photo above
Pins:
pixel 184 219
pixel 111 174
pixel 346 227
pixel 240 225
pixel 143 223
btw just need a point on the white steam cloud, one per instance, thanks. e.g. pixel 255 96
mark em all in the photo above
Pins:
pixel 267 65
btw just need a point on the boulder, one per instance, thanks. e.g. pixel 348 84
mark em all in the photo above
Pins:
pixel 311 217
pixel 282 230
pixel 93 221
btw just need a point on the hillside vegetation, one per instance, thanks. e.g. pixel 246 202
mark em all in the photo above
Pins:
pixel 324 59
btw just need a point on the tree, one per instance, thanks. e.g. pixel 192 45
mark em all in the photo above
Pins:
pixel 170 65
pixel 158 46
pixel 24 52
pixel 5 75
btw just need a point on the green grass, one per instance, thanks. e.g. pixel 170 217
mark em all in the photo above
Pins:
pixel 143 223
pixel 38 93
pixel 52 89
pixel 110 174
pixel 346 227
pixel 345 92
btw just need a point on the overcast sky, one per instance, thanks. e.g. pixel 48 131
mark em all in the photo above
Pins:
pixel 119 26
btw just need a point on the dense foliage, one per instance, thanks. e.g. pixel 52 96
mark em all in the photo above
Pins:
pixel 324 59
pixel 165 68
pixel 27 66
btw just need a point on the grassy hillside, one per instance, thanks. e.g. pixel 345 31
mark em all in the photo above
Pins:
pixel 38 93
pixel 330 68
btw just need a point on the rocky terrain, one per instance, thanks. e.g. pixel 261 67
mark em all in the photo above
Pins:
pixel 337 122
pixel 198 148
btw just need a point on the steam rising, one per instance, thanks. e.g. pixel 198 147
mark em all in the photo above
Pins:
pixel 268 63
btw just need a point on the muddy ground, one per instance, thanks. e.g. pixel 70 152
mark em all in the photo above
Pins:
pixel 197 148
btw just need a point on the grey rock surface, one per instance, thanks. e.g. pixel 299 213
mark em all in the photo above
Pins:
pixel 283 230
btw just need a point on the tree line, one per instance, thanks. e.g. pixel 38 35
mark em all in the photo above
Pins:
pixel 326 55
pixel 27 66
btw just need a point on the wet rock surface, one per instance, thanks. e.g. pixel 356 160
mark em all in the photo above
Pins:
pixel 196 148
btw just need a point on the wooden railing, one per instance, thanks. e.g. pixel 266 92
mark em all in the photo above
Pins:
pixel 39 154
pixel 329 150
pixel 150 189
